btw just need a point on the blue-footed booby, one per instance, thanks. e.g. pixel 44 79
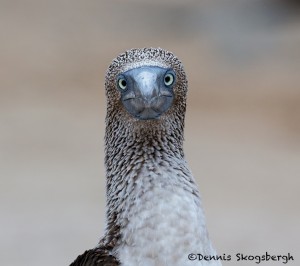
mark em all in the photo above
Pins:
pixel 154 215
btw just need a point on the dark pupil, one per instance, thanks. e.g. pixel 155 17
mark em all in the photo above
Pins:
pixel 123 82
pixel 167 79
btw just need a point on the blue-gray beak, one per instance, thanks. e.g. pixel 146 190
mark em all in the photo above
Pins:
pixel 147 92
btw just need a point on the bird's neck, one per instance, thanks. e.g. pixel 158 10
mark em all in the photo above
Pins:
pixel 151 196
pixel 132 147
pixel 151 191
pixel 129 151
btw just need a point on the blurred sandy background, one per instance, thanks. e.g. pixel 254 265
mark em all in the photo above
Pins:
pixel 242 125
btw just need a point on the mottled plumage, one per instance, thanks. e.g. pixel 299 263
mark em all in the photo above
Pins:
pixel 96 257
pixel 154 214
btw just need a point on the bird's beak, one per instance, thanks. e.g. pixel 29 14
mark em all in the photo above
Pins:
pixel 146 96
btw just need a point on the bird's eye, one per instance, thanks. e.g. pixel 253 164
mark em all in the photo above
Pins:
pixel 169 79
pixel 122 83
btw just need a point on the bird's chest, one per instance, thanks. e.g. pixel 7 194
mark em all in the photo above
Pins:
pixel 163 223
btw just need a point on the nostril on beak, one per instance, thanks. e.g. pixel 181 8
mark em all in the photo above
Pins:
pixel 151 95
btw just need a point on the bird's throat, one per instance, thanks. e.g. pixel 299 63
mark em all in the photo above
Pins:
pixel 153 198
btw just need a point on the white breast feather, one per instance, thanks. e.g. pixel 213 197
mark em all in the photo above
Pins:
pixel 166 223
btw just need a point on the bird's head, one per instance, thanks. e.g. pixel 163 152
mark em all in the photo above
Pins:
pixel 147 84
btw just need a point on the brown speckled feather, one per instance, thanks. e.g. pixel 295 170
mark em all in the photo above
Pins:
pixel 96 257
